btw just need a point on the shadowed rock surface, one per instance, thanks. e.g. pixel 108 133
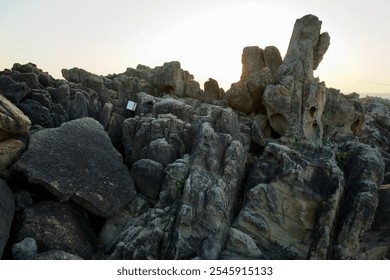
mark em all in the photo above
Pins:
pixel 7 208
pixel 78 162
pixel 278 167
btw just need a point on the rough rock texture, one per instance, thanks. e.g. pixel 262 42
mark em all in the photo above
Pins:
pixel 78 162
pixel 258 71
pixel 7 208
pixel 13 122
pixel 57 226
pixel 25 249
pixel 278 167
pixel 55 255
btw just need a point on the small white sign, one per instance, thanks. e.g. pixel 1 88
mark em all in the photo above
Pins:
pixel 131 105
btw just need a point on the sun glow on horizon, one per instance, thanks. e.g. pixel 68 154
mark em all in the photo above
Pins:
pixel 206 37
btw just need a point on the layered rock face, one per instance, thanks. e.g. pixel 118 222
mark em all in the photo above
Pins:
pixel 278 167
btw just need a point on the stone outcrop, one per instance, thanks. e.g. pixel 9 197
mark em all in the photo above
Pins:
pixel 258 71
pixel 278 167
pixel 100 182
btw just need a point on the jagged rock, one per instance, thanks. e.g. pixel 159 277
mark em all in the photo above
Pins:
pixel 239 98
pixel 304 52
pixel 246 95
pixel 140 133
pixel 272 59
pixel 148 175
pixel 376 242
pixel 25 249
pixel 100 182
pixel 13 122
pixel 13 90
pixel 285 191
pixel 57 226
pixel 273 179
pixel 212 91
pixel 296 104
pixel 55 255
pixel 10 151
pixel 7 208
pixel 364 168
pixel 30 79
pixel 343 117
pixel 241 245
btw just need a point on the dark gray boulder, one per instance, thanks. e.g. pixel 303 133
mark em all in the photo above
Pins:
pixel 57 226
pixel 7 208
pixel 148 176
pixel 78 162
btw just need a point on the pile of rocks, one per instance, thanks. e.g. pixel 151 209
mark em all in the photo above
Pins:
pixel 278 167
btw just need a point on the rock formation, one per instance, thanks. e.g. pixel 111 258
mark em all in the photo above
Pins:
pixel 278 167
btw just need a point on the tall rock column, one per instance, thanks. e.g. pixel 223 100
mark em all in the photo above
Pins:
pixel 296 102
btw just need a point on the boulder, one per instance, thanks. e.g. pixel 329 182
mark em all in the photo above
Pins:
pixel 13 122
pixel 7 208
pixel 148 176
pixel 10 151
pixel 13 90
pixel 78 162
pixel 56 226
pixel 246 95
pixel 25 249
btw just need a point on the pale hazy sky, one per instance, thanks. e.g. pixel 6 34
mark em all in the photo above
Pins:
pixel 207 37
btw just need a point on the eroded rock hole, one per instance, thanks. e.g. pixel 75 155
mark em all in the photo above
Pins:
pixel 312 111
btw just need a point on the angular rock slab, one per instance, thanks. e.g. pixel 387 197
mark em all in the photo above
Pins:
pixel 7 208
pixel 78 162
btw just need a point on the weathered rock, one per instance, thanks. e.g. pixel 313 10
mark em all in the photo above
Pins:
pixel 57 226
pixel 10 151
pixel 376 242
pixel 13 90
pixel 148 176
pixel 272 59
pixel 239 97
pixel 55 255
pixel 304 52
pixel 99 182
pixel 212 90
pixel 364 170
pixel 344 116
pixel 13 122
pixel 38 114
pixel 7 208
pixel 285 192
pixel 246 95
pixel 296 104
pixel 25 249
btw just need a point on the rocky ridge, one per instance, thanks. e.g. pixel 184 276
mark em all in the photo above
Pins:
pixel 278 167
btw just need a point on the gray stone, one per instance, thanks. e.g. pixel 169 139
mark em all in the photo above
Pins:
pixel 13 90
pixel 7 208
pixel 25 249
pixel 13 122
pixel 78 162
pixel 55 255
pixel 148 176
pixel 57 226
